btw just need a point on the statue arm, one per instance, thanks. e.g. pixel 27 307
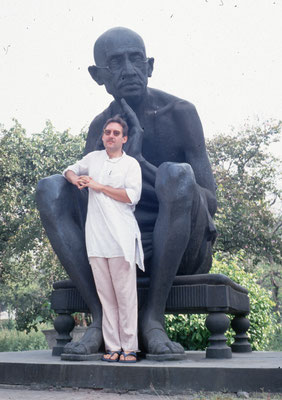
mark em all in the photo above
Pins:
pixel 189 125
pixel 133 146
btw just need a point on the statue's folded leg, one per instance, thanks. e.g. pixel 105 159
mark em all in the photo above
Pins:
pixel 62 210
pixel 177 193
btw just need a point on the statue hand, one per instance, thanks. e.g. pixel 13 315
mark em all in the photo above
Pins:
pixel 135 136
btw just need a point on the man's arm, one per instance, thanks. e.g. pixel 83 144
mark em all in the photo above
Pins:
pixel 81 180
pixel 73 172
pixel 73 178
pixel 118 194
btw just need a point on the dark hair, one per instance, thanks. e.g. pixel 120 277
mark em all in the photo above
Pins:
pixel 117 118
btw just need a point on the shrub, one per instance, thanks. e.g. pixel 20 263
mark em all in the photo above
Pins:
pixel 262 318
pixel 190 330
pixel 13 340
pixel 7 324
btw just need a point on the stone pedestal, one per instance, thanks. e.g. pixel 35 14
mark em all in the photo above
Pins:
pixel 212 294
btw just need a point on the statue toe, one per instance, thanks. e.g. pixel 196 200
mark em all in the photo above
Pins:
pixel 88 344
pixel 81 349
pixel 168 347
pixel 68 349
pixel 157 342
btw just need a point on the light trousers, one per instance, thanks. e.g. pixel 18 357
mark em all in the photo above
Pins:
pixel 116 284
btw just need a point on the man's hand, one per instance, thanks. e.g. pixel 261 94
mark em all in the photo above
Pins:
pixel 86 181
pixel 73 178
pixel 118 194
pixel 133 147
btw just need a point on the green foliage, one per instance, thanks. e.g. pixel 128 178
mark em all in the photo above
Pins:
pixel 249 216
pixel 12 340
pixel 28 266
pixel 276 340
pixel 270 277
pixel 190 330
pixel 7 324
pixel 246 174
pixel 262 319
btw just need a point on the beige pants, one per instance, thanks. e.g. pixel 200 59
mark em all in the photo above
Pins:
pixel 116 286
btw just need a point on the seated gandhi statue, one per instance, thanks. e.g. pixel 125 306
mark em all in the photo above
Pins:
pixel 178 190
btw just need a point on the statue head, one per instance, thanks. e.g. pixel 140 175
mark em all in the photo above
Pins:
pixel 121 64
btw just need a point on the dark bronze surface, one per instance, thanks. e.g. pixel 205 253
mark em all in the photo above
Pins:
pixel 178 196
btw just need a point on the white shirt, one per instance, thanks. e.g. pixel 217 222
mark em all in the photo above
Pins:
pixel 111 228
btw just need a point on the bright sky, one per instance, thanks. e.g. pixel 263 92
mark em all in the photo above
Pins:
pixel 225 56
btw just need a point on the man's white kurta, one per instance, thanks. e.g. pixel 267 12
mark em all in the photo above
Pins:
pixel 111 228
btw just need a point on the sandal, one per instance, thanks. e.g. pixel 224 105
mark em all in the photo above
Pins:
pixel 125 361
pixel 111 353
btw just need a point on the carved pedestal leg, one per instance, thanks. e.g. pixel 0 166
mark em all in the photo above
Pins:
pixel 217 323
pixel 64 324
pixel 241 324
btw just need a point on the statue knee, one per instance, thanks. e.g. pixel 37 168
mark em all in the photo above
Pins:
pixel 51 191
pixel 175 181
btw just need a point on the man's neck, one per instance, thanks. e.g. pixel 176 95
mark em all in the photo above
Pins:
pixel 115 154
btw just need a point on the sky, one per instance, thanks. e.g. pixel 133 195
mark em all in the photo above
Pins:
pixel 224 56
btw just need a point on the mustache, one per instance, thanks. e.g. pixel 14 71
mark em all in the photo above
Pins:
pixel 126 82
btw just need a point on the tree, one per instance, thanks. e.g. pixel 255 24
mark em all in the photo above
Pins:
pixel 28 266
pixel 246 174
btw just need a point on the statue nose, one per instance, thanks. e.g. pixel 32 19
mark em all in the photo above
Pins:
pixel 128 68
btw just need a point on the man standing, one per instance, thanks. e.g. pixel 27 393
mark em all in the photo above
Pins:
pixel 112 236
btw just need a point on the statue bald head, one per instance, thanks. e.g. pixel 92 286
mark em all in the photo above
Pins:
pixel 116 38
pixel 121 64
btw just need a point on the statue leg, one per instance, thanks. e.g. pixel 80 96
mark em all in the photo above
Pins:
pixel 197 258
pixel 62 210
pixel 175 188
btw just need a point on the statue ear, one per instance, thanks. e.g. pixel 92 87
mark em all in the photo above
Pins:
pixel 96 74
pixel 150 66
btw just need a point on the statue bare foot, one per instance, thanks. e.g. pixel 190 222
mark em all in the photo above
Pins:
pixel 90 342
pixel 156 341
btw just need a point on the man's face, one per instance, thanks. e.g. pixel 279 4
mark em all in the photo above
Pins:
pixel 113 138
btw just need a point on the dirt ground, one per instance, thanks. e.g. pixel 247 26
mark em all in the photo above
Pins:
pixel 26 393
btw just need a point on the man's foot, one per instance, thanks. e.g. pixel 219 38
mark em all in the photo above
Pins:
pixel 111 356
pixel 88 344
pixel 128 357
pixel 156 341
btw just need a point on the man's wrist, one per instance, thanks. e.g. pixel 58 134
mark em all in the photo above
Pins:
pixel 73 179
pixel 103 188
pixel 71 176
